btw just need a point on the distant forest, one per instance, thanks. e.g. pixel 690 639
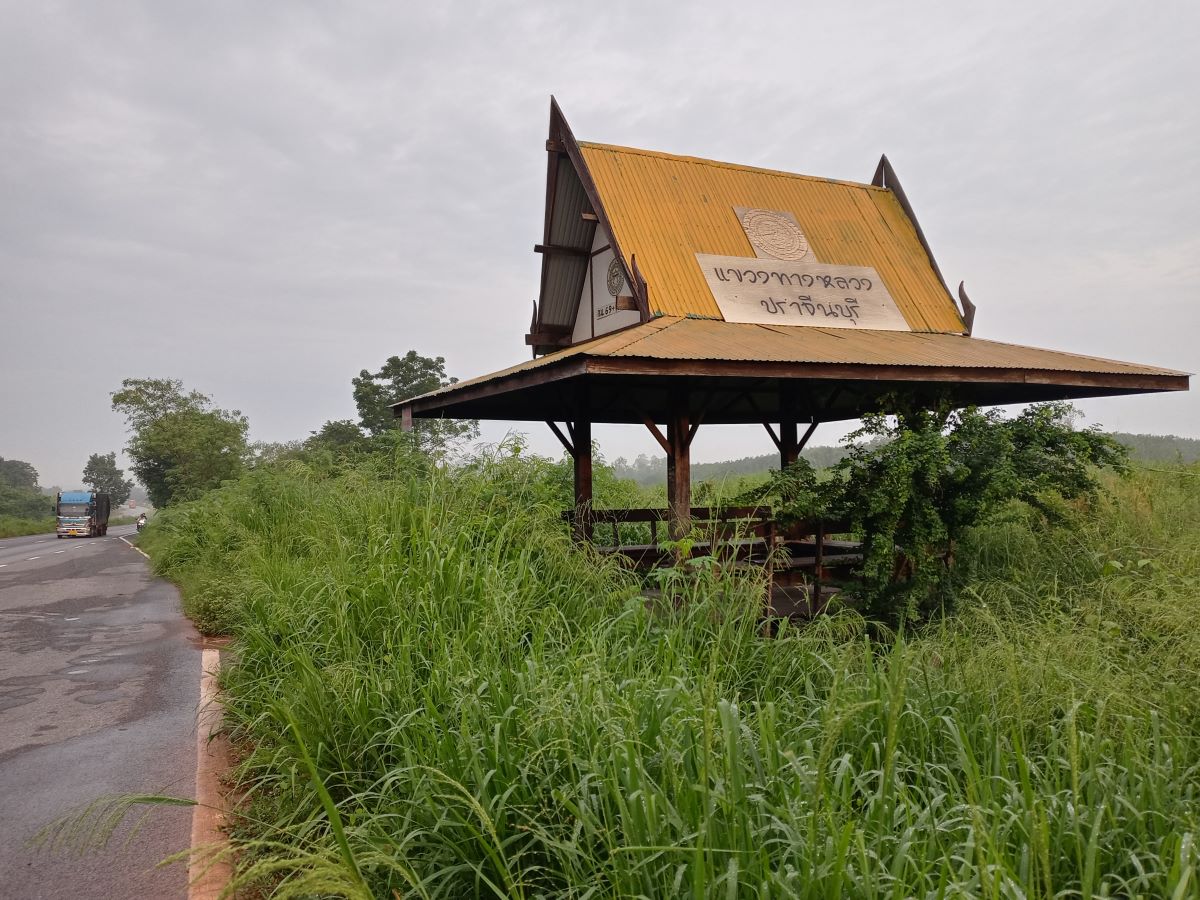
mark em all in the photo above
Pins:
pixel 648 470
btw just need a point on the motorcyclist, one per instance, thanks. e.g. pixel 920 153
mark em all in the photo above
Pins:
pixel 141 521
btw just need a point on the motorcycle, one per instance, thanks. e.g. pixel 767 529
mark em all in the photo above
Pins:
pixel 141 523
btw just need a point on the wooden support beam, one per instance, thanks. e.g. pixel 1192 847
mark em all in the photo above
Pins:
pixel 589 216
pixel 560 249
pixel 789 450
pixel 679 469
pixel 406 419
pixel 774 437
pixel 658 435
pixel 553 146
pixel 562 438
pixel 583 471
pixel 807 434
pixel 789 446
pixel 694 428
pixel 628 304
pixel 546 338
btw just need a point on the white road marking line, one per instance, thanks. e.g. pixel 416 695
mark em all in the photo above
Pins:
pixel 2 565
pixel 32 558
pixel 60 551
pixel 138 549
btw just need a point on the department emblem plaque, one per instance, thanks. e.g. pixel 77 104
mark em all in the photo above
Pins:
pixel 773 234
pixel 616 278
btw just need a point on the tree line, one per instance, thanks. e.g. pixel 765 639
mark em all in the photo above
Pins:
pixel 21 497
pixel 649 470
pixel 182 445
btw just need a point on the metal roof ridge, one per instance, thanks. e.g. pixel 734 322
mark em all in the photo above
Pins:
pixel 644 331
pixel 721 164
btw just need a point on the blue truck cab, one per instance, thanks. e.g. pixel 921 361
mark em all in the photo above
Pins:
pixel 81 514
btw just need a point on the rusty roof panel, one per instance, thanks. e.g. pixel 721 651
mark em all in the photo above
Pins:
pixel 671 339
pixel 701 339
pixel 665 209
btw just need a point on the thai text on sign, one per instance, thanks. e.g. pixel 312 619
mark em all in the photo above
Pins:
pixel 782 292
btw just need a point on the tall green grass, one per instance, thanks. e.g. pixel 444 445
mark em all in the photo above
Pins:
pixel 445 697
pixel 12 526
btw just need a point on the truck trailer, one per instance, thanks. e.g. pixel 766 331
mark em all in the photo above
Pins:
pixel 81 513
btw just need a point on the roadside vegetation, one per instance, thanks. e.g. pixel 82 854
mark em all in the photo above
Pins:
pixel 17 526
pixel 24 508
pixel 438 693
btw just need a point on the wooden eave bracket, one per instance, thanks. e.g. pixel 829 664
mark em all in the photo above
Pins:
pixel 774 437
pixel 808 433
pixel 968 308
pixel 658 435
pixel 569 444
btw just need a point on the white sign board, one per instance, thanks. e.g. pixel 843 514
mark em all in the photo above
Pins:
pixel 781 292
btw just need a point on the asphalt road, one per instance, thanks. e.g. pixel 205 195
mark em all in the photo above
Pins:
pixel 99 679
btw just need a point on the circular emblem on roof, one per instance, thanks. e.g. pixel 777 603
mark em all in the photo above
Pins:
pixel 774 234
pixel 616 278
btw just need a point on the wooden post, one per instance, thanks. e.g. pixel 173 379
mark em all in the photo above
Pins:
pixel 679 469
pixel 789 443
pixel 582 456
pixel 581 453
pixel 406 422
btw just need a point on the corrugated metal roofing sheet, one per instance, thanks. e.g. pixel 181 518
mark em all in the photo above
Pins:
pixel 664 209
pixel 706 339
pixel 677 338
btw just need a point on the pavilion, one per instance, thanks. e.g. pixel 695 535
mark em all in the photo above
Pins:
pixel 679 291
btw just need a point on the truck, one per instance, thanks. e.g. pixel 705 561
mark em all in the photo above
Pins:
pixel 81 513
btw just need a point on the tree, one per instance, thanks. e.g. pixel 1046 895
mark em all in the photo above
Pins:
pixel 399 379
pixel 180 444
pixel 339 436
pixel 18 474
pixel 102 476
pixel 19 493
pixel 933 474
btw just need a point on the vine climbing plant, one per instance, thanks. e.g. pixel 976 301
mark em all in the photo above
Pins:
pixel 914 481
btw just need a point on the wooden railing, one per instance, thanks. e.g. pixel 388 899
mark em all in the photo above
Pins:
pixel 747 533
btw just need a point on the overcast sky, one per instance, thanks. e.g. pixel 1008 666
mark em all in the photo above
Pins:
pixel 263 198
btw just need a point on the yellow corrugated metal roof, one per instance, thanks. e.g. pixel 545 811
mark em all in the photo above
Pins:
pixel 701 339
pixel 664 209
pixel 680 338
